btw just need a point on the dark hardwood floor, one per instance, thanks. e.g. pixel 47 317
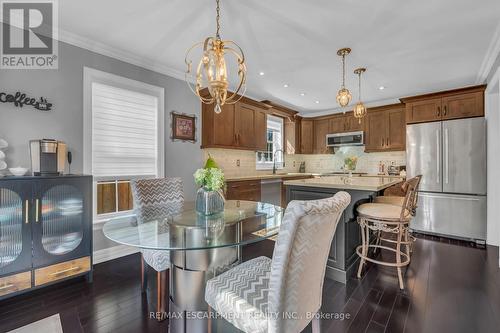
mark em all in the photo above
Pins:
pixel 450 287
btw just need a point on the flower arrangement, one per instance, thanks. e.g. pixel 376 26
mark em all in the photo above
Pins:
pixel 211 179
pixel 350 163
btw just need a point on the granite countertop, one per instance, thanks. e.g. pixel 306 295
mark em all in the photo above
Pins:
pixel 373 184
pixel 271 176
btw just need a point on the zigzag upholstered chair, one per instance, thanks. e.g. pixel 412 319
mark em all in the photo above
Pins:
pixel 282 295
pixel 156 199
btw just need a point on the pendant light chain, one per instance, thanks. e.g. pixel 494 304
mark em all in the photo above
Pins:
pixel 343 71
pixel 217 19
pixel 359 85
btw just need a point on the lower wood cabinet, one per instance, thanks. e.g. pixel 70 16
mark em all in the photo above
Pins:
pixel 46 228
pixel 243 190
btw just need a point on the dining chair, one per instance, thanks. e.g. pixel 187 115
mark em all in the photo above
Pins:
pixel 284 293
pixel 388 218
pixel 157 199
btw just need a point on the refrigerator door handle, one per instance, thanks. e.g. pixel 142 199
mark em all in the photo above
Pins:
pixel 446 156
pixel 438 157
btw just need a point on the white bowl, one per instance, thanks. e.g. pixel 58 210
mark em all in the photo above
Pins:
pixel 3 144
pixel 2 155
pixel 19 171
pixel 3 165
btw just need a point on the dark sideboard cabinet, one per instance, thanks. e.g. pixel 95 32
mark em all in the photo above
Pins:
pixel 45 231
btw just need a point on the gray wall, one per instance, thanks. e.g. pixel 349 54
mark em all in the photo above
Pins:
pixel 64 88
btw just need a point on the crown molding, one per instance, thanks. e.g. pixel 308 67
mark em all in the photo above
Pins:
pixel 489 58
pixel 373 104
pixel 119 54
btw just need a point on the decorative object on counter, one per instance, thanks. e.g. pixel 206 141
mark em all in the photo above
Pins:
pixel 183 127
pixel 343 95
pixel 381 168
pixel 350 164
pixel 209 198
pixel 18 171
pixel 212 70
pixel 302 167
pixel 360 108
pixel 20 99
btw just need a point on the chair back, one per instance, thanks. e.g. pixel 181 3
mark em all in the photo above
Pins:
pixel 157 198
pixel 299 261
pixel 411 198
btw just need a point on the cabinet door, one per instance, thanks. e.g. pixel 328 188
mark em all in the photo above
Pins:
pixel 243 190
pixel 353 124
pixel 261 129
pixel 222 126
pixel 424 111
pixel 463 106
pixel 291 135
pixel 396 130
pixel 306 136
pixel 321 128
pixel 337 124
pixel 62 227
pixel 15 226
pixel 376 131
pixel 245 125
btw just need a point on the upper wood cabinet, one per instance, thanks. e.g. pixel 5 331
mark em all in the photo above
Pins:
pixel 385 129
pixel 306 136
pixel 452 104
pixel 239 126
pixel 344 122
pixel 337 124
pixel 321 129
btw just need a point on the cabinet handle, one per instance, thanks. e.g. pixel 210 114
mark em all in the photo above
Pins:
pixel 387 142
pixel 65 270
pixel 382 142
pixel 439 111
pixel 7 286
pixel 26 212
pixel 445 111
pixel 36 210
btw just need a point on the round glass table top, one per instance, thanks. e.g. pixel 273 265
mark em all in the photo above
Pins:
pixel 241 223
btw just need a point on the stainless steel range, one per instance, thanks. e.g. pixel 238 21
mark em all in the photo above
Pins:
pixel 451 157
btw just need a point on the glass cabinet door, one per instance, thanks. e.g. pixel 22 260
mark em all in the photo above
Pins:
pixel 15 234
pixel 62 221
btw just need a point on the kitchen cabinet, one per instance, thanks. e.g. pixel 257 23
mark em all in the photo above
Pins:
pixel 292 136
pixel 385 129
pixel 306 136
pixel 47 231
pixel 321 129
pixel 337 124
pixel 243 190
pixel 239 126
pixel 452 104
pixel 344 122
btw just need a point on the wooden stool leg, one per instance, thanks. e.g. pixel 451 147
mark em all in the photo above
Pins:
pixel 364 248
pixel 398 258
pixel 162 290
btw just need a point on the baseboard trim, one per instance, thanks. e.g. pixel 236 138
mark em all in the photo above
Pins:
pixel 113 253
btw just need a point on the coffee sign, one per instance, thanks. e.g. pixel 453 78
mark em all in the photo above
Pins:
pixel 20 99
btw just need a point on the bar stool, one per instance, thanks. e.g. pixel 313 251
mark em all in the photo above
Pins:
pixel 388 218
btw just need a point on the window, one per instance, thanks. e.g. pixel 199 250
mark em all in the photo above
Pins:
pixel 123 138
pixel 265 159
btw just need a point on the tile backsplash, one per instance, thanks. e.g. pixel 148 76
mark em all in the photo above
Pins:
pixel 228 159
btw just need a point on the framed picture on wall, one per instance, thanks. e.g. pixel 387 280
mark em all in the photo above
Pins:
pixel 183 127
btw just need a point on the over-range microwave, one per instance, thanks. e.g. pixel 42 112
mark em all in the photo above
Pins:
pixel 345 139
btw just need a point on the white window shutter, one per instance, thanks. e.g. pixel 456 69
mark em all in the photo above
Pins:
pixel 124 132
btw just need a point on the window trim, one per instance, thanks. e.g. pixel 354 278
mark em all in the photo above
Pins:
pixel 269 165
pixel 90 76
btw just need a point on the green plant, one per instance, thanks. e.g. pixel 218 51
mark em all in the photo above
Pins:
pixel 350 163
pixel 211 178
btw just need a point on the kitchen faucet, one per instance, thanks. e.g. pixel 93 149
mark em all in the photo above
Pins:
pixel 274 159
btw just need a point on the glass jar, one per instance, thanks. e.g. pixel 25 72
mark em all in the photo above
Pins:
pixel 209 202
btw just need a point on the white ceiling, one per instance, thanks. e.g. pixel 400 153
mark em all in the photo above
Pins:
pixel 411 46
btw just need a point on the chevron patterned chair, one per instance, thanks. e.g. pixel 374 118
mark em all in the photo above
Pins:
pixel 156 199
pixel 279 295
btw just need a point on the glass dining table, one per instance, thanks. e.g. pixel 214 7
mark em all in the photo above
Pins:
pixel 201 247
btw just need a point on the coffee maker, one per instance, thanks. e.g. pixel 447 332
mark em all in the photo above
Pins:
pixel 48 157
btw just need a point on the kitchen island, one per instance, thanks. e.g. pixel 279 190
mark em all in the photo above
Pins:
pixel 342 260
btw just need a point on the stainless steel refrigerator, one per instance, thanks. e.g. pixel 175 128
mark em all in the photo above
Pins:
pixel 451 157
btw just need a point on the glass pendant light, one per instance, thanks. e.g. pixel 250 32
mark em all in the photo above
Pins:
pixel 212 69
pixel 343 95
pixel 359 109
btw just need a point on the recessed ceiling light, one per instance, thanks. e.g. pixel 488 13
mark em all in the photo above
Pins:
pixel 317 102
pixel 285 85
pixel 261 73
pixel 302 94
pixel 381 88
